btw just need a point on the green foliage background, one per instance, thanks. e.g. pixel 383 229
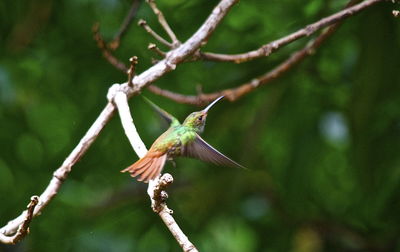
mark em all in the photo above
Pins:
pixel 322 143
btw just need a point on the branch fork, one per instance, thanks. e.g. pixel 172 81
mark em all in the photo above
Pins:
pixel 23 228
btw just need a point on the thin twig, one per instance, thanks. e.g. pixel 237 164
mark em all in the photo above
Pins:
pixel 23 229
pixel 163 22
pixel 155 49
pixel 166 65
pixel 105 51
pixel 177 97
pixel 156 187
pixel 131 71
pixel 114 44
pixel 144 24
pixel 271 47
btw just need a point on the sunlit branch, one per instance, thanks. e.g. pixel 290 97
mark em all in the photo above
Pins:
pixel 155 49
pixel 147 28
pixel 271 47
pixel 163 22
pixel 235 93
pixel 61 174
pixel 23 229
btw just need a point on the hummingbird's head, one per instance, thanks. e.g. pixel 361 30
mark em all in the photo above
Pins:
pixel 197 120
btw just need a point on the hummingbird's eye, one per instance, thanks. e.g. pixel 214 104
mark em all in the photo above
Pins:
pixel 200 118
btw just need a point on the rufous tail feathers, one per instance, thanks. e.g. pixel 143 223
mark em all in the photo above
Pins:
pixel 149 167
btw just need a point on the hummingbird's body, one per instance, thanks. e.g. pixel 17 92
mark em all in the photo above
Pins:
pixel 179 140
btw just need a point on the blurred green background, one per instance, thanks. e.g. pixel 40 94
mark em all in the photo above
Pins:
pixel 321 143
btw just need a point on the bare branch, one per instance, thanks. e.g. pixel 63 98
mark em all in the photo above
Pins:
pixel 271 47
pixel 105 51
pixel 61 174
pixel 245 88
pixel 144 24
pixel 121 101
pixel 181 98
pixel 131 71
pixel 180 237
pixel 159 195
pixel 179 54
pixel 160 207
pixel 23 229
pixel 155 49
pixel 156 187
pixel 235 93
pixel 173 58
pixel 114 44
pixel 163 22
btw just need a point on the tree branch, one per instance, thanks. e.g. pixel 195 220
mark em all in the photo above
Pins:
pixel 163 22
pixel 235 93
pixel 155 49
pixel 23 229
pixel 271 47
pixel 147 28
pixel 105 51
pixel 121 101
pixel 114 44
pixel 131 70
pixel 166 65
pixel 61 174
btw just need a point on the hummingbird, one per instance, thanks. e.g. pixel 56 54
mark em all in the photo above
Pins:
pixel 178 140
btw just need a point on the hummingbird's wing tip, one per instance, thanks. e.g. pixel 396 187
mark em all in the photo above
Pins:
pixel 200 149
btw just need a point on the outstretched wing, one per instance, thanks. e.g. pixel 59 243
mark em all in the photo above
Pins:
pixel 170 119
pixel 200 149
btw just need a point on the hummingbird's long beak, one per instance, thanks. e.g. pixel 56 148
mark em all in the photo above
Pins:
pixel 212 104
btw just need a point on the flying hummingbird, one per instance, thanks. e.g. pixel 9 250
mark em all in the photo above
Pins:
pixel 179 140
